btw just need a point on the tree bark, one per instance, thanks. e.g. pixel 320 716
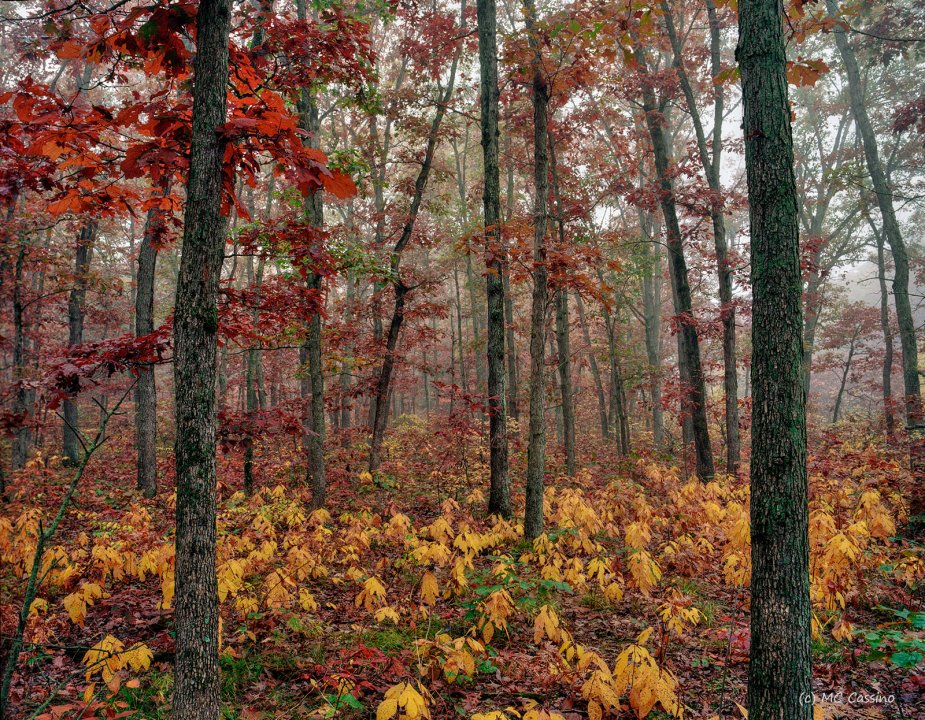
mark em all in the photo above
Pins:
pixel 536 446
pixel 779 673
pixel 75 326
pixel 689 343
pixel 499 498
pixel 313 437
pixel 196 677
pixel 915 423
pixel 145 388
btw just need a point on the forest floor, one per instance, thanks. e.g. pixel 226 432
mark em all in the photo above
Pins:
pixel 634 603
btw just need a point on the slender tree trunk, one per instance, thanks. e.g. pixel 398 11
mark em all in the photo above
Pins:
pixel 75 324
pixel 536 447
pixel 563 349
pixel 463 370
pixel 617 416
pixel 652 314
pixel 690 344
pixel 313 437
pixel 145 388
pixel 196 676
pixel 915 423
pixel 401 290
pixel 888 407
pixel 22 407
pixel 812 310
pixel 499 498
pixel 595 371
pixel 711 166
pixel 846 369
pixel 512 382
pixel 779 672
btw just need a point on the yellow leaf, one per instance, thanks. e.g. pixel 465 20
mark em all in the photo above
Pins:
pixel 387 708
pixel 429 588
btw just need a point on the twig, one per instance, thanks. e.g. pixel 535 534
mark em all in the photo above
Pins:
pixel 32 586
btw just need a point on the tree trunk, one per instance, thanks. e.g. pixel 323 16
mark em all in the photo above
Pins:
pixel 536 447
pixel 463 370
pixel 690 344
pixel 888 416
pixel 383 383
pixel 563 350
pixel 915 423
pixel 711 166
pixel 652 314
pixel 145 388
pixel 595 371
pixel 779 672
pixel 313 437
pixel 846 369
pixel 617 417
pixel 75 326
pixel 196 676
pixel 499 498
pixel 22 406
pixel 512 382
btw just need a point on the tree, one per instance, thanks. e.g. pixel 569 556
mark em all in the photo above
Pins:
pixel 779 673
pixel 379 409
pixel 536 447
pixel 915 422
pixel 196 679
pixel 75 324
pixel 313 389
pixel 145 388
pixel 499 499
pixel 688 343
pixel 710 159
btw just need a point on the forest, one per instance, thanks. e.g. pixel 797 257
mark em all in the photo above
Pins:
pixel 479 359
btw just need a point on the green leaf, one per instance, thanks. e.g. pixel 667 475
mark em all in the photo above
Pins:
pixel 906 659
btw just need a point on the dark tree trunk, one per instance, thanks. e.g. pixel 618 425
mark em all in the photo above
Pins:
pixel 563 350
pixel 617 417
pixel 75 326
pixel 779 673
pixel 463 370
pixel 563 353
pixel 846 370
pixel 536 446
pixel 690 344
pixel 711 165
pixel 22 405
pixel 888 408
pixel 651 308
pixel 313 437
pixel 383 383
pixel 196 676
pixel 145 388
pixel 595 371
pixel 512 382
pixel 915 423
pixel 499 498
